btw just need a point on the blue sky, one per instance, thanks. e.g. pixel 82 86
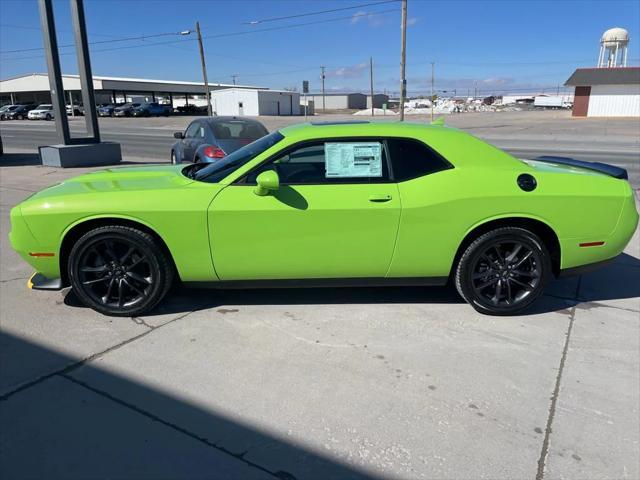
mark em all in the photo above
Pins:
pixel 497 45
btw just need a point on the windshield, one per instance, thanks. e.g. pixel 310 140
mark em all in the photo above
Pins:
pixel 216 171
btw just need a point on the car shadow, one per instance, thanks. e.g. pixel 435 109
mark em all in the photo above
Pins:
pixel 618 280
pixel 64 417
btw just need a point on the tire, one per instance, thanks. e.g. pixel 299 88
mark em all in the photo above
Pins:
pixel 502 272
pixel 119 271
pixel 48 117
pixel 19 117
pixel 174 160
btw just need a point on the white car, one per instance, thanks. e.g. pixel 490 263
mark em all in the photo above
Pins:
pixel 41 112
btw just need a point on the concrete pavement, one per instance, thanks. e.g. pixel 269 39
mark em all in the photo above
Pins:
pixel 318 383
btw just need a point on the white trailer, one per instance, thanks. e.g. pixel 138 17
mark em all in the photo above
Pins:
pixel 552 101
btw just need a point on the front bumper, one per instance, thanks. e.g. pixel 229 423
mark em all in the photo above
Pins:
pixel 39 282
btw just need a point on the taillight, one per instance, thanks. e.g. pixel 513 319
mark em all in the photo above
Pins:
pixel 214 152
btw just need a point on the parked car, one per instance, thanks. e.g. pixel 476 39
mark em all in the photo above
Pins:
pixel 6 108
pixel 209 139
pixel 18 113
pixel 108 109
pixel 125 110
pixel 330 204
pixel 78 109
pixel 192 109
pixel 151 109
pixel 41 112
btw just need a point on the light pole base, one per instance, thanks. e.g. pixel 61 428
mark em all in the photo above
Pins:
pixel 84 155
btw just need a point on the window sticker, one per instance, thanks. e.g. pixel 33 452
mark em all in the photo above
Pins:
pixel 361 159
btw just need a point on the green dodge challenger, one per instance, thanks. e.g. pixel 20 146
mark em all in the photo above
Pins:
pixel 352 203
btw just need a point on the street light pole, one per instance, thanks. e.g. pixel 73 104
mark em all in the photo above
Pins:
pixel 204 70
pixel 432 79
pixel 403 57
pixel 371 79
pixel 322 78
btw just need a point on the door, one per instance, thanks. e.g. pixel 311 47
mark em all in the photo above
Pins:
pixel 335 215
pixel 191 140
pixel 581 101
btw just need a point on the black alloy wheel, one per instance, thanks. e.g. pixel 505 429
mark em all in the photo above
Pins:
pixel 503 271
pixel 119 270
pixel 48 117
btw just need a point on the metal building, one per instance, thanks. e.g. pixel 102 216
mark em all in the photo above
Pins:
pixel 34 88
pixel 379 100
pixel 242 101
pixel 338 101
pixel 606 92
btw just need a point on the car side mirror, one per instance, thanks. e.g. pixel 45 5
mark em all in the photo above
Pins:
pixel 267 182
pixel 178 135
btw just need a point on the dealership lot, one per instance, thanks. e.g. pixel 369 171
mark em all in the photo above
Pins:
pixel 323 383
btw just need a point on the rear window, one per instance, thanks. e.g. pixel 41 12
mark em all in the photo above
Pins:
pixel 238 130
pixel 413 159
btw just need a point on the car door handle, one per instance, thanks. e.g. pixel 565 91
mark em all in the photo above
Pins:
pixel 379 198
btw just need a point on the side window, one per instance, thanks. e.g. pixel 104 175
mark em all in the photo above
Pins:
pixel 413 159
pixel 330 162
pixel 193 130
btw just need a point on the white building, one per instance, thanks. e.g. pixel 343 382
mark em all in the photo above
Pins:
pixel 34 88
pixel 606 92
pixel 239 101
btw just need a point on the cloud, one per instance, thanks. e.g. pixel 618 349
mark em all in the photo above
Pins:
pixel 359 15
pixel 353 71
pixel 372 19
pixel 411 21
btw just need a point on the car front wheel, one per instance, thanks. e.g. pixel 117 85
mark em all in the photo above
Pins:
pixel 119 271
pixel 503 271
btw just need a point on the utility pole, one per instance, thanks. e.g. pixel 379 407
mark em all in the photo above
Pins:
pixel 403 58
pixel 233 77
pixel 432 80
pixel 322 78
pixel 204 70
pixel 371 78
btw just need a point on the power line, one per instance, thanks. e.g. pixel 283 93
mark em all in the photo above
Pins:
pixel 205 37
pixel 275 19
pixel 98 42
pixel 295 25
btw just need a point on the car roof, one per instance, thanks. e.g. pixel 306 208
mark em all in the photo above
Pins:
pixel 221 119
pixel 365 128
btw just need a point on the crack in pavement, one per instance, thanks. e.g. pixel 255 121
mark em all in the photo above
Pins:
pixel 556 391
pixel 175 427
pixel 13 279
pixel 75 365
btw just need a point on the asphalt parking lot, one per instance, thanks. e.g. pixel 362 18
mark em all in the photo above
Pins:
pixel 322 383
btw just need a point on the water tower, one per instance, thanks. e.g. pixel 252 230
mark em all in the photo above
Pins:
pixel 613 48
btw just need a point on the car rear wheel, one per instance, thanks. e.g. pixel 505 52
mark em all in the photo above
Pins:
pixel 19 117
pixel 119 271
pixel 503 271
pixel 48 117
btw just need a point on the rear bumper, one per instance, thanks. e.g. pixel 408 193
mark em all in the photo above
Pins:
pixel 39 282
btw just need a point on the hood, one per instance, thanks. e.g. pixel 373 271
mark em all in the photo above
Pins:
pixel 122 179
